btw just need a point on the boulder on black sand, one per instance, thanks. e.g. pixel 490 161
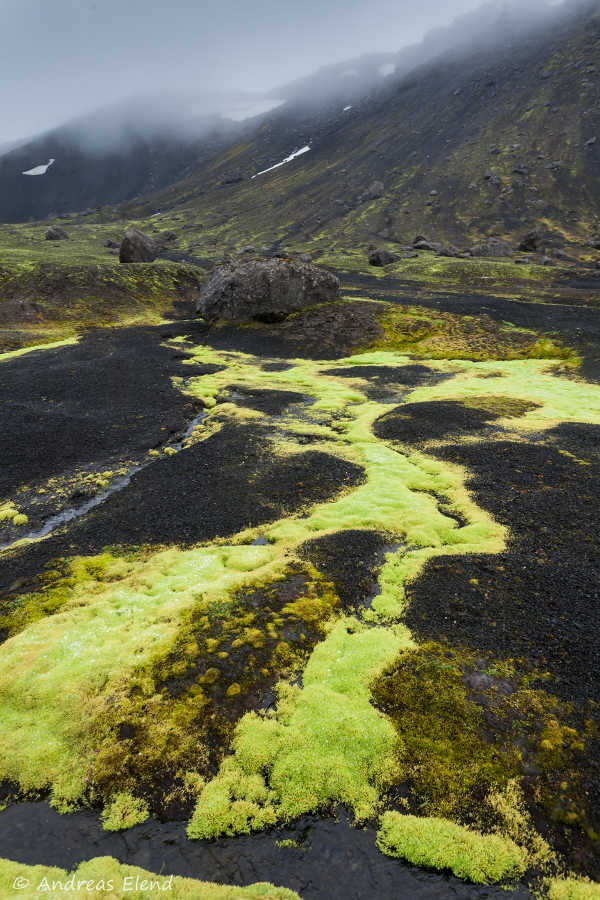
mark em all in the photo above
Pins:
pixel 267 290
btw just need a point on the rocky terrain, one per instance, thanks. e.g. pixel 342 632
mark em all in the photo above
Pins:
pixel 299 501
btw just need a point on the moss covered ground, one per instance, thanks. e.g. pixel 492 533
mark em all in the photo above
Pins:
pixel 160 657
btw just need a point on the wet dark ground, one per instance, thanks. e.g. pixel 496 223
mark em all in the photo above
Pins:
pixel 333 861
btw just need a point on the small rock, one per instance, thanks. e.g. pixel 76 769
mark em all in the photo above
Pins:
pixel 530 243
pixel 375 190
pixel 426 245
pixel 55 233
pixel 492 247
pixel 137 247
pixel 112 245
pixel 449 250
pixel 381 257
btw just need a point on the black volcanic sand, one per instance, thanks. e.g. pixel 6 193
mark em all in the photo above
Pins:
pixel 415 423
pixel 271 402
pixel 351 560
pixel 540 598
pixel 383 380
pixel 331 331
pixel 109 394
pixel 538 602
pixel 215 488
pixel 409 375
pixel 333 861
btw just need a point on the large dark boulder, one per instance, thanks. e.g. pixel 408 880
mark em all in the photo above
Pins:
pixel 531 241
pixel 492 247
pixel 55 233
pixel 264 289
pixel 137 247
pixel 381 257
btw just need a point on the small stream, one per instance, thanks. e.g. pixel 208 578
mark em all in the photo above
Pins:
pixel 333 860
pixel 76 512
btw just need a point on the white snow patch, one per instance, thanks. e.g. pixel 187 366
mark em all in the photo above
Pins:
pixel 286 160
pixel 387 69
pixel 346 108
pixel 39 170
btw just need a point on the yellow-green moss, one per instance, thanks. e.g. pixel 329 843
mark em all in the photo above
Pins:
pixel 124 811
pixel 440 844
pixel 573 889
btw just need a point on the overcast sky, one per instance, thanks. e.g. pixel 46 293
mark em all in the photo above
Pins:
pixel 59 58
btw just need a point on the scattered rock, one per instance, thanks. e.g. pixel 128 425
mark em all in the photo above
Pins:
pixel 595 242
pixel 112 245
pixel 426 245
pixel 55 233
pixel 449 250
pixel 167 237
pixel 523 260
pixel 545 260
pixel 249 248
pixel 493 247
pixel 137 247
pixel 306 257
pixel 375 190
pixel 531 241
pixel 598 263
pixel 381 257
pixel 265 290
pixel 419 238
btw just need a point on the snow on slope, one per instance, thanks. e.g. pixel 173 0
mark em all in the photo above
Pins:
pixel 39 170
pixel 284 161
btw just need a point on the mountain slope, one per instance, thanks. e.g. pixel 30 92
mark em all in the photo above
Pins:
pixel 495 141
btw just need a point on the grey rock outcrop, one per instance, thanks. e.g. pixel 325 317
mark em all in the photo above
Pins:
pixel 492 247
pixel 137 247
pixel 381 257
pixel 449 250
pixel 267 290
pixel 55 233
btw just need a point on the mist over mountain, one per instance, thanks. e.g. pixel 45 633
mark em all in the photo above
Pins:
pixel 146 141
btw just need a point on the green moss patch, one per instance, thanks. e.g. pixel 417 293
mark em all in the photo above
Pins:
pixel 442 335
pixel 573 889
pixel 439 844
pixel 468 726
